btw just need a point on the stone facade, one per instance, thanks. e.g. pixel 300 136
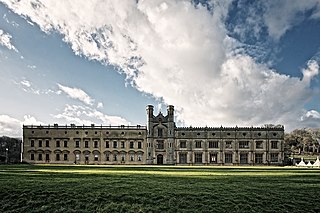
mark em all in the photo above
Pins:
pixel 160 142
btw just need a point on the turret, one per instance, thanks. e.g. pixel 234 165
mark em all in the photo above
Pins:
pixel 150 120
pixel 170 112
pixel 150 111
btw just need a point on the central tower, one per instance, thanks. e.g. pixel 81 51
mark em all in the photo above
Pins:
pixel 160 137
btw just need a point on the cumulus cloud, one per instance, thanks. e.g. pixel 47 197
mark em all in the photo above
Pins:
pixel 311 118
pixel 311 71
pixel 180 53
pixel 77 93
pixel 10 126
pixel 5 40
pixel 281 15
pixel 86 115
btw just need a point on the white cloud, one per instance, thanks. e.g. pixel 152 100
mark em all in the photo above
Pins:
pixel 77 93
pixel 28 87
pixel 85 115
pixel 100 105
pixel 25 83
pixel 10 126
pixel 282 15
pixel 32 66
pixel 311 71
pixel 312 114
pixel 311 118
pixel 255 18
pixel 5 40
pixel 181 54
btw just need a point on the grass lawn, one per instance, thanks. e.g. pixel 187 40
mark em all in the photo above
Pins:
pixel 48 188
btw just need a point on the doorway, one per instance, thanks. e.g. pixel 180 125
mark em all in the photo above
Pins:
pixel 159 159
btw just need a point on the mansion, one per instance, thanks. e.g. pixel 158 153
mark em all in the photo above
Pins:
pixel 160 142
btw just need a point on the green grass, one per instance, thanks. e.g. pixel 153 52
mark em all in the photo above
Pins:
pixel 48 188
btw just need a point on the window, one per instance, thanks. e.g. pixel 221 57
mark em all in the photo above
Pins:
pixel 274 157
pixel 107 157
pixel 47 157
pixel 96 144
pixel 32 143
pixel 40 143
pixel 243 144
pixel 228 144
pixel 57 157
pixel 96 157
pixel 183 157
pixel 213 158
pixel 65 143
pixel 123 157
pixel 47 143
pixel 139 145
pixel 160 145
pixel 139 157
pixel 77 157
pixel 115 144
pixel 258 158
pixel 160 133
pixel 65 156
pixel 243 158
pixel 32 156
pixel 115 157
pixel 77 144
pixel 86 144
pixel 57 143
pixel 228 158
pixel 259 144
pixel 213 144
pixel 40 157
pixel 198 157
pixel 131 157
pixel 274 144
pixel 131 144
pixel 122 144
pixel 107 144
pixel 183 144
pixel 198 144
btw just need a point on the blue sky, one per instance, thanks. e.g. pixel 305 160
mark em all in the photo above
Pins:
pixel 245 63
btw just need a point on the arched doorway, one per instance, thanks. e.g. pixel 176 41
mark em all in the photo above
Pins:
pixel 159 159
